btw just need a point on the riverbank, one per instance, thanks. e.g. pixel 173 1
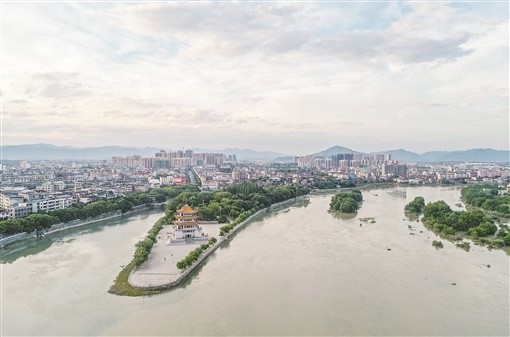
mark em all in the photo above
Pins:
pixel 258 282
pixel 160 273
pixel 70 225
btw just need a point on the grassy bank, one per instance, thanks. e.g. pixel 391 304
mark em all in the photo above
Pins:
pixel 122 287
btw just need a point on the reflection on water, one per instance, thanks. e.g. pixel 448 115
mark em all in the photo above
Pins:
pixel 301 272
pixel 25 248
pixel 343 216
pixel 32 246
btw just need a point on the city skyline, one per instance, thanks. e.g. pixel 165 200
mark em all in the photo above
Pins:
pixel 293 78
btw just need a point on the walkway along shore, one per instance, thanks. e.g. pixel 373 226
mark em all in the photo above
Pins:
pixel 174 279
pixel 71 224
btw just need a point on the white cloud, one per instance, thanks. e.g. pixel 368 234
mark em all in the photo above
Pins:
pixel 291 77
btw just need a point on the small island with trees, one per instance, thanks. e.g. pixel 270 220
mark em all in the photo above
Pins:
pixel 346 202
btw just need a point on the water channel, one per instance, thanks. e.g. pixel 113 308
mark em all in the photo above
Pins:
pixel 298 272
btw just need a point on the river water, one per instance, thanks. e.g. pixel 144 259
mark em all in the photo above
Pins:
pixel 301 272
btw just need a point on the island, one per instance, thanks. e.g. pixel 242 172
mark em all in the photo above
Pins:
pixel 346 202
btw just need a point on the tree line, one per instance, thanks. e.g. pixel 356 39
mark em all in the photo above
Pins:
pixel 486 197
pixel 332 183
pixel 195 254
pixel 42 220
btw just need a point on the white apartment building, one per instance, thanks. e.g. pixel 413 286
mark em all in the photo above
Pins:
pixel 49 205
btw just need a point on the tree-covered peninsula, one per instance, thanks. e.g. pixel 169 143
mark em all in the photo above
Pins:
pixel 232 205
pixel 474 223
pixel 346 202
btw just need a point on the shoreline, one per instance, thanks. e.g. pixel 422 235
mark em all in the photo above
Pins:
pixel 4 242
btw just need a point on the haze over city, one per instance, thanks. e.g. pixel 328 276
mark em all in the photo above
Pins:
pixel 290 77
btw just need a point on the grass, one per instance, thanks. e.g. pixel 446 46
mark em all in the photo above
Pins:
pixel 123 288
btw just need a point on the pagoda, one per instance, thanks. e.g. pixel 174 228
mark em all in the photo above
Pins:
pixel 186 226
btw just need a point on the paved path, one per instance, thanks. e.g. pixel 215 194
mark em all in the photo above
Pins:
pixel 161 267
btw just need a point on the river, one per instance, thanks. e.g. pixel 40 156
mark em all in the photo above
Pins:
pixel 301 272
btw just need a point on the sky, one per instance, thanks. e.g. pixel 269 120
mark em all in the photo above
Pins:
pixel 293 77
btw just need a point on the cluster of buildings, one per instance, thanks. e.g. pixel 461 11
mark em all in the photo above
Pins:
pixel 18 204
pixel 342 160
pixel 374 167
pixel 461 172
pixel 173 159
pixel 28 187
pixel 47 186
pixel 215 177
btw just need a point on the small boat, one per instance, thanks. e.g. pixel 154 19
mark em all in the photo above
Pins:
pixel 286 211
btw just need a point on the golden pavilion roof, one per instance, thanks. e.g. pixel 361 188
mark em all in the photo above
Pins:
pixel 187 209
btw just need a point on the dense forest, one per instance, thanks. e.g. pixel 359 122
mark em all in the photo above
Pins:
pixel 486 197
pixel 347 202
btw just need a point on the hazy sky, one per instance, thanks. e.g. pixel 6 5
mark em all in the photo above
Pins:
pixel 286 76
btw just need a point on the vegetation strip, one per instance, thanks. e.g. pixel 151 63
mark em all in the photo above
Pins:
pixel 121 285
pixel 193 256
pixel 80 211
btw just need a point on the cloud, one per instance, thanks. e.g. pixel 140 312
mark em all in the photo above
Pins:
pixel 56 85
pixel 175 18
pixel 390 47
pixel 222 28
pixel 225 73
pixel 233 29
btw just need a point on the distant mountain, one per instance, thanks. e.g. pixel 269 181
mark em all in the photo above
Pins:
pixel 403 155
pixel 334 150
pixel 52 152
pixel 473 155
